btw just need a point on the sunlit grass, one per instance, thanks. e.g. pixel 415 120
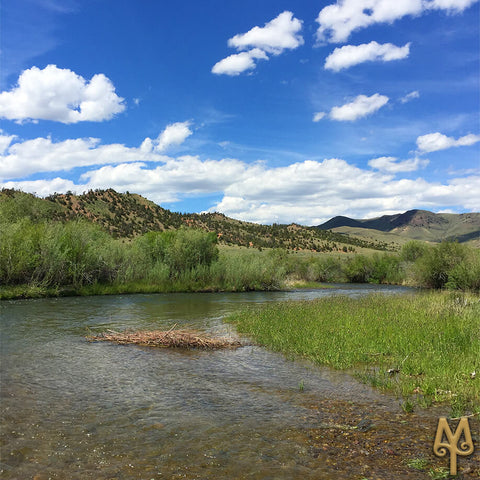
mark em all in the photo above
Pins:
pixel 424 347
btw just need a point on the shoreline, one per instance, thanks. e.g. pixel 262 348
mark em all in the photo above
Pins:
pixel 26 292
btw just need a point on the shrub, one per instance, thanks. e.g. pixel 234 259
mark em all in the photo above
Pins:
pixel 413 250
pixel 358 269
pixel 437 264
pixel 181 250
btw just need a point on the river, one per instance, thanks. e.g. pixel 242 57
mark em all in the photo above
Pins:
pixel 78 410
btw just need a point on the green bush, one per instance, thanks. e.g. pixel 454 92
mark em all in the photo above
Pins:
pixel 181 250
pixel 52 254
pixel 413 250
pixel 359 268
pixel 435 267
pixel 386 269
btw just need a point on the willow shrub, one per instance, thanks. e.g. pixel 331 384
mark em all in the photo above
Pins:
pixel 53 254
pixel 181 250
pixel 449 265
pixel 244 270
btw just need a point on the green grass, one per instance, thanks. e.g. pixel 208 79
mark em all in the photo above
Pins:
pixel 423 347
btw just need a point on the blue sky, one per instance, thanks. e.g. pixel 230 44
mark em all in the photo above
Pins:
pixel 271 111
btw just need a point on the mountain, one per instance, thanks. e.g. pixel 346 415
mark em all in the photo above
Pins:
pixel 413 224
pixel 126 215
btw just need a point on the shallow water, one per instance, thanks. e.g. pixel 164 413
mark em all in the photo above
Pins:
pixel 78 410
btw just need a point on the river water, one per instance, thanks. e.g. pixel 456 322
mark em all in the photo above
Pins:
pixel 78 410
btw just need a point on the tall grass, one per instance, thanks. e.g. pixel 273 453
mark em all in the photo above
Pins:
pixel 425 347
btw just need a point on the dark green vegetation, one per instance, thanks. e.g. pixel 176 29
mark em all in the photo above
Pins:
pixel 414 224
pixel 425 347
pixel 45 251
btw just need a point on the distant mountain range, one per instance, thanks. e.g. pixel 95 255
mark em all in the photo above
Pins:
pixel 413 224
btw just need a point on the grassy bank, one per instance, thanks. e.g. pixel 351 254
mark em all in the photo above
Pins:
pixel 45 258
pixel 424 347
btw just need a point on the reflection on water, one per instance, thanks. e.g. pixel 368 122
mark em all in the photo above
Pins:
pixel 78 410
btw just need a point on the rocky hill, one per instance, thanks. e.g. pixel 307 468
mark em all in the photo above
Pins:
pixel 125 215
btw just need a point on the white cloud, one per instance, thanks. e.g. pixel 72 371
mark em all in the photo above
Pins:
pixel 393 165
pixel 21 159
pixel 349 55
pixel 60 95
pixel 337 21
pixel 318 116
pixel 239 62
pixel 43 155
pixel 174 134
pixel 307 192
pixel 410 96
pixel 174 178
pixel 278 35
pixel 44 187
pixel 5 141
pixel 452 5
pixel 360 107
pixel 311 192
pixel 437 141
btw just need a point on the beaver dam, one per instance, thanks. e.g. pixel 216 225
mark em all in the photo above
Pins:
pixel 167 339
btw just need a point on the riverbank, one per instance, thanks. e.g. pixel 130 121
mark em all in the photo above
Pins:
pixel 19 292
pixel 425 348
pixel 78 258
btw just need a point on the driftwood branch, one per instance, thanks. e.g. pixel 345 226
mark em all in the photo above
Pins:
pixel 170 338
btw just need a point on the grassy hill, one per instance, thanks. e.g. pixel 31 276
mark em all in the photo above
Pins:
pixel 413 224
pixel 127 215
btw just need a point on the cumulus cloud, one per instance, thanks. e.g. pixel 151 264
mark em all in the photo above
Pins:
pixel 393 165
pixel 60 95
pixel 311 192
pixel 238 63
pixel 410 96
pixel 337 21
pixel 307 192
pixel 20 159
pixel 360 107
pixel 438 141
pixel 349 55
pixel 278 35
pixel 174 134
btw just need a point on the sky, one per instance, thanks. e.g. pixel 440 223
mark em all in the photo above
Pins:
pixel 268 111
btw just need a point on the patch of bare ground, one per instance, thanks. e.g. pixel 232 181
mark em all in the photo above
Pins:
pixel 357 442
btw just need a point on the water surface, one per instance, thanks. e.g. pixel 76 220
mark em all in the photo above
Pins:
pixel 78 410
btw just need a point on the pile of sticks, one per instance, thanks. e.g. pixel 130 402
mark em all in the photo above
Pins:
pixel 167 338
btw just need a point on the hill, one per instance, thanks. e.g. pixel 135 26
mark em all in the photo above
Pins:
pixel 126 215
pixel 413 224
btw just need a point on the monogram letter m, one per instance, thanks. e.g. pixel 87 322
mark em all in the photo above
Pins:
pixel 452 441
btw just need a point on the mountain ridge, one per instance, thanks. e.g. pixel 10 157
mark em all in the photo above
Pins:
pixel 126 215
pixel 413 224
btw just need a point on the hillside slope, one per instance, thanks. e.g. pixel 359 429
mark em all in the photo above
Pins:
pixel 125 215
pixel 413 224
